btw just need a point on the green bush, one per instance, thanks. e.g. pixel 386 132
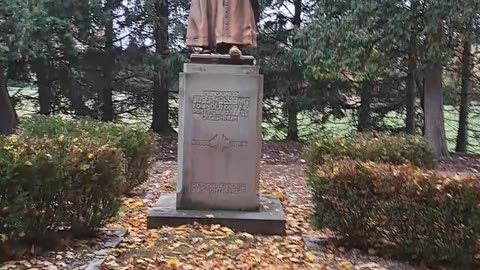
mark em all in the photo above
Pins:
pixel 137 145
pixel 366 147
pixel 50 184
pixel 66 175
pixel 399 208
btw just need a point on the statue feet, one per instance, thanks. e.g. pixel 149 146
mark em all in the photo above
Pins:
pixel 200 50
pixel 235 52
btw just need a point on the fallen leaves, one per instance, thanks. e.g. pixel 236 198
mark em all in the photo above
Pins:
pixel 310 257
pixel 133 203
pixel 173 262
pixel 203 247
pixel 211 247
pixel 346 265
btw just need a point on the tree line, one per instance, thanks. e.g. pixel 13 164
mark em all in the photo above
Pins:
pixel 322 60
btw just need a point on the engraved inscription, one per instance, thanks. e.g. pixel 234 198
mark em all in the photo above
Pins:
pixel 214 188
pixel 220 143
pixel 221 106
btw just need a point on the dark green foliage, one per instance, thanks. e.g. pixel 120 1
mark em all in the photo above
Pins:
pixel 136 144
pixel 51 184
pixel 390 149
pixel 401 209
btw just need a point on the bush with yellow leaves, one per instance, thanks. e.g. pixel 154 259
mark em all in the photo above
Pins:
pixel 401 209
pixel 137 145
pixel 369 147
pixel 51 184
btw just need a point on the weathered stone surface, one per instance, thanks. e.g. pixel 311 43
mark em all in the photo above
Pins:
pixel 219 137
pixel 221 59
pixel 269 220
pixel 221 69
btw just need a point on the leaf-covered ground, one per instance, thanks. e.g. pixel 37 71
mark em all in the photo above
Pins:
pixel 216 247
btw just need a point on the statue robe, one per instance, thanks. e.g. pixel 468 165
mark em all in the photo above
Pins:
pixel 212 22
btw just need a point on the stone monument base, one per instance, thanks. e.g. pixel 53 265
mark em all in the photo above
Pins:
pixel 221 59
pixel 269 220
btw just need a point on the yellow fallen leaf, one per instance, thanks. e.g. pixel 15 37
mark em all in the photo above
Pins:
pixel 280 195
pixel 310 257
pixel 346 265
pixel 150 244
pixel 227 230
pixel 173 262
pixel 21 234
pixel 239 242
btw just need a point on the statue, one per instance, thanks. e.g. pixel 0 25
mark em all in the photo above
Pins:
pixel 223 26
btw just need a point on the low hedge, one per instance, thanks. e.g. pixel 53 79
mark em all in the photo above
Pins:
pixel 399 208
pixel 136 144
pixel 66 175
pixel 50 184
pixel 368 147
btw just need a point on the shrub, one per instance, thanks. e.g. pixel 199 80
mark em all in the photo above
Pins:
pixel 366 147
pixel 50 184
pixel 400 208
pixel 136 144
pixel 66 175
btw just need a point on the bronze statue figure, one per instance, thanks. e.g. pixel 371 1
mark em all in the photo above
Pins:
pixel 223 26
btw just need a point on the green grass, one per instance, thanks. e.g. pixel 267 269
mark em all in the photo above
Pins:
pixel 307 129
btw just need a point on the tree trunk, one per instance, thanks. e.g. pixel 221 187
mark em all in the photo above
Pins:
pixel 434 124
pixel 467 65
pixel 291 106
pixel 364 114
pixel 45 93
pixel 434 119
pixel 411 86
pixel 107 91
pixel 74 95
pixel 8 121
pixel 420 80
pixel 160 123
pixel 292 113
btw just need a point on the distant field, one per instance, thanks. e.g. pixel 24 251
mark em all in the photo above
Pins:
pixel 335 127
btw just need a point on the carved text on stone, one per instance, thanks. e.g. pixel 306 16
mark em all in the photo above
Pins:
pixel 219 188
pixel 221 106
pixel 220 143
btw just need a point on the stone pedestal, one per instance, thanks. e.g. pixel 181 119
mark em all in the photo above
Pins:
pixel 268 220
pixel 219 137
pixel 220 142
